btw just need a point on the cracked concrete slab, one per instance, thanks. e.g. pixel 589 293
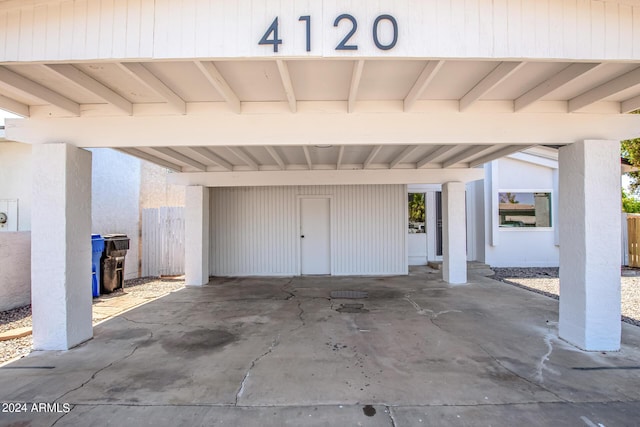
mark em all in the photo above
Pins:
pixel 276 351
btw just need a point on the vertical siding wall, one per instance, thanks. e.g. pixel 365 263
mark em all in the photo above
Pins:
pixel 254 231
pixel 105 29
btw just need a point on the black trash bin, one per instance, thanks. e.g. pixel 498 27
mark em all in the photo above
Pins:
pixel 112 262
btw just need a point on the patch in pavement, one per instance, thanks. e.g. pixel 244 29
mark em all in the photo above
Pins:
pixel 352 308
pixel 198 343
pixel 349 294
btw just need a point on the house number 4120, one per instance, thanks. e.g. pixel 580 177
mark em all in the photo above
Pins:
pixel 270 37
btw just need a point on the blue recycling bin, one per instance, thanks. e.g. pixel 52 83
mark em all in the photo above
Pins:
pixel 97 247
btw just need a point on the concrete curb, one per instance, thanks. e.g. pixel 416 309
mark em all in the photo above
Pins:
pixel 15 333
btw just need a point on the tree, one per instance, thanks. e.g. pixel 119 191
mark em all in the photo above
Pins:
pixel 508 198
pixel 416 207
pixel 630 203
pixel 630 151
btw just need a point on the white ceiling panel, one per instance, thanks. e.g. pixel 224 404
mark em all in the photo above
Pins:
pixel 456 78
pixel 52 80
pixel 321 80
pixel 388 80
pixel 112 76
pixel 185 80
pixel 589 80
pixel 253 80
pixel 524 79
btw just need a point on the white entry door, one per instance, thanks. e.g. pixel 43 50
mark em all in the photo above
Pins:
pixel 315 236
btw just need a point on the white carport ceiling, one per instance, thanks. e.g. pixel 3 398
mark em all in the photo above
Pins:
pixel 353 86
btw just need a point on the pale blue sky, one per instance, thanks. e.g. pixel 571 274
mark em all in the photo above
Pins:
pixel 4 115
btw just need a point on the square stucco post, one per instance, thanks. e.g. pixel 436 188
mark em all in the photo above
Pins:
pixel 589 222
pixel 61 246
pixel 454 233
pixel 196 235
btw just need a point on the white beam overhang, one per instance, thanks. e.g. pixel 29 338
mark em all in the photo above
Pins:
pixel 326 177
pixel 54 98
pixel 307 157
pixel 491 80
pixel 275 156
pixel 146 77
pixel 151 158
pixel 356 76
pixel 400 157
pixel 565 76
pixel 340 157
pixel 510 149
pixel 630 105
pixel 213 76
pixel 173 154
pixel 207 154
pixel 442 128
pixel 426 76
pixel 372 154
pixel 287 84
pixel 88 83
pixel 239 152
pixel 429 158
pixel 466 155
pixel 14 106
pixel 625 81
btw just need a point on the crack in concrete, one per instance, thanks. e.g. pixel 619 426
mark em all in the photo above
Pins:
pixel 391 417
pixel 300 314
pixel 541 366
pixel 425 311
pixel 286 291
pixel 525 379
pixel 61 417
pixel 154 323
pixel 273 345
pixel 93 376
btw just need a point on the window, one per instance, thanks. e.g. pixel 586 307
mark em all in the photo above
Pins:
pixel 526 209
pixel 416 213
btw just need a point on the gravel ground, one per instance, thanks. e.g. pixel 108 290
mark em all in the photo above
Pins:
pixel 545 281
pixel 147 287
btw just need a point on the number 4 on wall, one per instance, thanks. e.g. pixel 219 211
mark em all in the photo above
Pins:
pixel 275 41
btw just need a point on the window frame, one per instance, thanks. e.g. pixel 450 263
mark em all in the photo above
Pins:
pixel 526 190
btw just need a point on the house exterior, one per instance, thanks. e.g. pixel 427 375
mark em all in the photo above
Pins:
pixel 490 238
pixel 310 118
pixel 122 187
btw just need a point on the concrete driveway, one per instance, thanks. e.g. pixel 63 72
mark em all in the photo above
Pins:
pixel 281 351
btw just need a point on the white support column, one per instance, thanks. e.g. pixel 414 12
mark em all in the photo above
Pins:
pixel 454 235
pixel 196 235
pixel 61 247
pixel 589 222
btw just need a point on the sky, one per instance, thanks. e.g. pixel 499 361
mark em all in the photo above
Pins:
pixel 6 115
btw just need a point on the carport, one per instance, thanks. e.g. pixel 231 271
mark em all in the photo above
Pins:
pixel 282 351
pixel 318 101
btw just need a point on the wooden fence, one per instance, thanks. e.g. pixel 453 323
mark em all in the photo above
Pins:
pixel 633 240
pixel 163 241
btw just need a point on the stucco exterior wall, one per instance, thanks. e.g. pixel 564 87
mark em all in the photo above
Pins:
pixel 15 269
pixel 15 179
pixel 519 247
pixel 154 190
pixel 116 200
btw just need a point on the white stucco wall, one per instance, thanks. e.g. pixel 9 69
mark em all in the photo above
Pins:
pixel 254 229
pixel 154 190
pixel 519 247
pixel 15 179
pixel 15 269
pixel 116 200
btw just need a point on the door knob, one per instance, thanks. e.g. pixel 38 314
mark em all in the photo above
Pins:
pixel 302 237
